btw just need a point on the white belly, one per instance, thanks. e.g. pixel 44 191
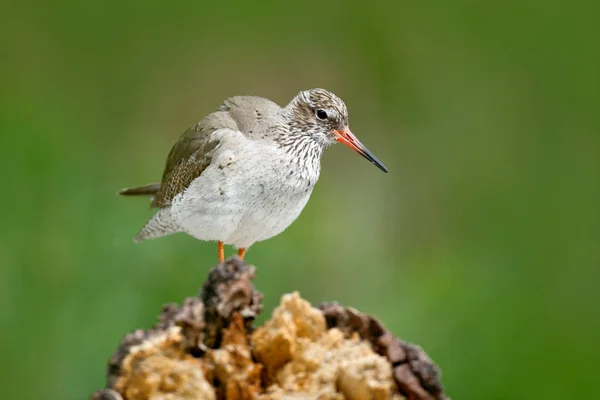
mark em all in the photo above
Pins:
pixel 242 197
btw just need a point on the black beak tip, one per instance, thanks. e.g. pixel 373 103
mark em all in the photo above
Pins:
pixel 375 162
pixel 369 156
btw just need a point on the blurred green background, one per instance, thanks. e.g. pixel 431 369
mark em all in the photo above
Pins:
pixel 481 244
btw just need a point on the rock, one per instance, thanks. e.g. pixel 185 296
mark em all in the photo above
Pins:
pixel 208 349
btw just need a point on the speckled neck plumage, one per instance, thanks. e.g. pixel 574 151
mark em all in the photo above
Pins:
pixel 300 146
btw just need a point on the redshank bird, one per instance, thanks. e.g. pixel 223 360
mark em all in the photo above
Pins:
pixel 244 173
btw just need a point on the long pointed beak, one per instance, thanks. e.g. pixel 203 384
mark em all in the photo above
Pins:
pixel 348 138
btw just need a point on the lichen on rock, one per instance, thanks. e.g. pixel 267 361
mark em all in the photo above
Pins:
pixel 303 357
pixel 232 365
pixel 159 368
pixel 208 349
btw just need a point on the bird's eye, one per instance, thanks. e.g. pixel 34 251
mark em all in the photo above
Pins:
pixel 322 114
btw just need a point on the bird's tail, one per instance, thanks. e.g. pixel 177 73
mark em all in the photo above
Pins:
pixel 148 190
pixel 161 224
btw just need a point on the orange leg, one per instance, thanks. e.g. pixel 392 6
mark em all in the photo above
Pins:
pixel 221 252
pixel 241 252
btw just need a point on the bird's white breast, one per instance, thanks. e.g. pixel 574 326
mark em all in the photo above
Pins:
pixel 251 191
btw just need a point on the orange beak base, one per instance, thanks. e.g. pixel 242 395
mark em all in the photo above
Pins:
pixel 348 138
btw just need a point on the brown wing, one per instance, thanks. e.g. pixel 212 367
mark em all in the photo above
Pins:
pixel 190 156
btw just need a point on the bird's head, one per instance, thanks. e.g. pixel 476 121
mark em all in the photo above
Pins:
pixel 324 117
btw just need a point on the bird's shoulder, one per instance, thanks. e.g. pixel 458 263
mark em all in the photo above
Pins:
pixel 251 113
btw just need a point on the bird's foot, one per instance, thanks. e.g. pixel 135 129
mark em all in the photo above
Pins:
pixel 241 252
pixel 221 249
